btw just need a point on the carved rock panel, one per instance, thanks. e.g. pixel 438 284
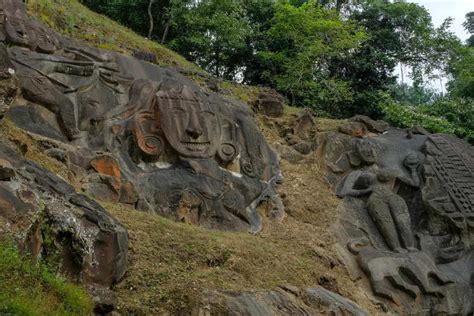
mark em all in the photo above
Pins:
pixel 178 151
pixel 406 216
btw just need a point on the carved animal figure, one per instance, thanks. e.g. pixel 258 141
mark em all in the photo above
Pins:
pixel 412 273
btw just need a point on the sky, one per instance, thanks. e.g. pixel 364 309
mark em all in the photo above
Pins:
pixel 441 9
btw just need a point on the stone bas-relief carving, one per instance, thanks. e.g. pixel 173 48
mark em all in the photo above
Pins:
pixel 406 217
pixel 180 152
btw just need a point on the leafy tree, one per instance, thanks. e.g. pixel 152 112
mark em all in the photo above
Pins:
pixel 398 33
pixel 299 48
pixel 462 71
pixel 132 12
pixel 214 34
pixel 461 66
pixel 411 95
pixel 469 23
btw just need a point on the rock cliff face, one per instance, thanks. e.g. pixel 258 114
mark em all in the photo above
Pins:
pixel 133 133
pixel 407 215
pixel 147 138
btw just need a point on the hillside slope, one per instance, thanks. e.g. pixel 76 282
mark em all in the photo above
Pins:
pixel 173 264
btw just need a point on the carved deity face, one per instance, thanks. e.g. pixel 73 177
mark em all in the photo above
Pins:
pixel 17 31
pixel 366 151
pixel 191 126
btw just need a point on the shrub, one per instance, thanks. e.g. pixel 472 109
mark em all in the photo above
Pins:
pixel 448 116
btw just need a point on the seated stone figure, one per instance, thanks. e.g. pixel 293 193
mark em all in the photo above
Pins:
pixel 390 213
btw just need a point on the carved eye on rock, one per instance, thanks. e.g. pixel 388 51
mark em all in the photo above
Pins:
pixel 227 152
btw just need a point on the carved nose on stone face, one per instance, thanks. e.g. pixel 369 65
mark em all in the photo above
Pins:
pixel 194 130
pixel 194 133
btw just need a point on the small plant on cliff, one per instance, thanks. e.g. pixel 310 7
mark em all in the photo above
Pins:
pixel 30 289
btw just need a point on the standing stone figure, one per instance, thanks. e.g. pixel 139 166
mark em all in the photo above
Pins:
pixel 390 213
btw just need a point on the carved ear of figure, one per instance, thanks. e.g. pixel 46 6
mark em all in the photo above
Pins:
pixel 354 155
pixel 228 149
pixel 147 134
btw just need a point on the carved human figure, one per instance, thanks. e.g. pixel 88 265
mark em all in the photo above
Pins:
pixel 390 213
pixel 191 126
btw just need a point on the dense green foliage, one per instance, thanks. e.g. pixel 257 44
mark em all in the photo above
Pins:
pixel 29 289
pixel 450 116
pixel 300 47
pixel 338 57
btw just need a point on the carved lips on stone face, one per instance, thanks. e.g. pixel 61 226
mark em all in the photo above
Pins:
pixel 191 127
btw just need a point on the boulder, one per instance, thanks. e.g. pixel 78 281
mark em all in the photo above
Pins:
pixel 304 124
pixel 270 103
pixel 284 300
pixel 373 125
pixel 6 170
pixel 51 221
pixel 354 129
pixel 303 148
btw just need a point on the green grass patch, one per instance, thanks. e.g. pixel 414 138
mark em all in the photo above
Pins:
pixel 30 289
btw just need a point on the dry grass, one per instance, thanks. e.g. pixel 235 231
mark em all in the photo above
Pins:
pixel 171 263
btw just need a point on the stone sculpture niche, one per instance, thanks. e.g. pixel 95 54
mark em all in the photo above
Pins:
pixel 146 136
pixel 406 217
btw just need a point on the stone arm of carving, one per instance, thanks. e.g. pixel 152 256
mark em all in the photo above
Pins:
pixel 357 192
pixel 346 186
pixel 414 180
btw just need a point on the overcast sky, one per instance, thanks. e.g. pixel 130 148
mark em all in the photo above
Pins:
pixel 441 9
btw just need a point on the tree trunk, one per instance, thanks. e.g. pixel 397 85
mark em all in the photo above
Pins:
pixel 165 32
pixel 150 16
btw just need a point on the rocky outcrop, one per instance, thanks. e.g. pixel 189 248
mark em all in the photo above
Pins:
pixel 406 218
pixel 286 300
pixel 270 103
pixel 54 223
